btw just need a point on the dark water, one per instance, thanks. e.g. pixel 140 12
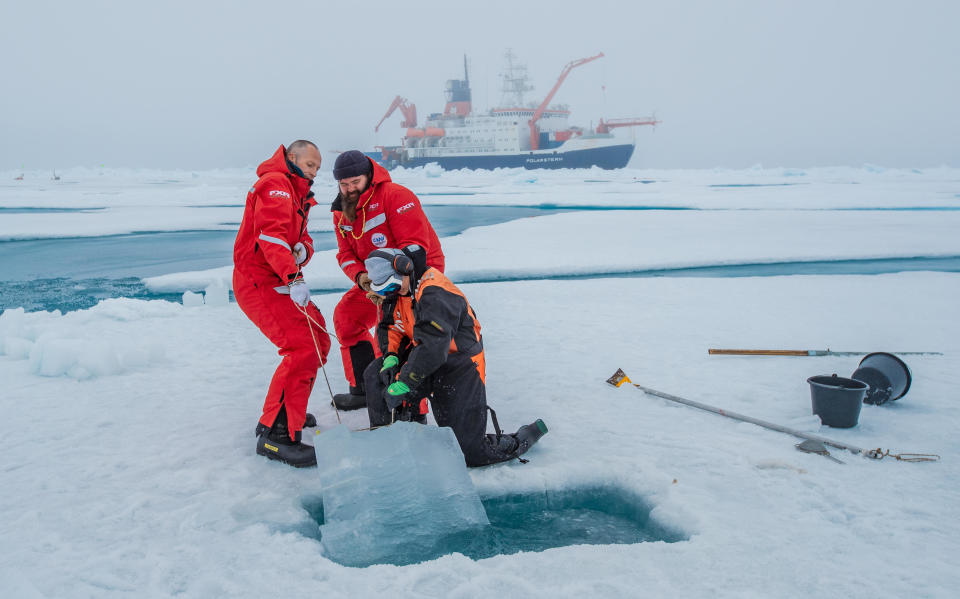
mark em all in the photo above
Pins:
pixel 539 521
pixel 68 294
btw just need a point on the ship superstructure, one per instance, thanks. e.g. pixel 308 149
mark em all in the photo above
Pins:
pixel 513 135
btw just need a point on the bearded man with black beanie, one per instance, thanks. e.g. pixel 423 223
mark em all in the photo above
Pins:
pixel 371 212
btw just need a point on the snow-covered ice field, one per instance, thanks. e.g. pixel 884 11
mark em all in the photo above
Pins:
pixel 129 467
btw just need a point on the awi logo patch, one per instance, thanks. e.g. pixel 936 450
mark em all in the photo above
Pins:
pixel 379 240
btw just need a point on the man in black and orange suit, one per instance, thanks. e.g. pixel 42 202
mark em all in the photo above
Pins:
pixel 431 348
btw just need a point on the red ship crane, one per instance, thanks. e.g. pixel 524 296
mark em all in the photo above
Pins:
pixel 606 126
pixel 409 113
pixel 534 131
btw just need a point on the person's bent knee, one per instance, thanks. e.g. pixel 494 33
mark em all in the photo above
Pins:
pixel 305 359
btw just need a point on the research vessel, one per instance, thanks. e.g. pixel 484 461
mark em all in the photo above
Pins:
pixel 515 134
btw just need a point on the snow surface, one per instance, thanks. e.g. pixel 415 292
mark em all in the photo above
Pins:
pixel 129 466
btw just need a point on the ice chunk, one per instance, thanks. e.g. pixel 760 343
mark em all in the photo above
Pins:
pixel 192 300
pixel 216 294
pixel 394 491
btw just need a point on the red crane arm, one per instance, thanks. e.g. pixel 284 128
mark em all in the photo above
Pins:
pixel 606 126
pixel 409 113
pixel 534 132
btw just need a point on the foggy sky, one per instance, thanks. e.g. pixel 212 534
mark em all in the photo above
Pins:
pixel 200 85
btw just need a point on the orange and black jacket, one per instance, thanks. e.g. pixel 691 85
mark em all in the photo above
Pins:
pixel 435 323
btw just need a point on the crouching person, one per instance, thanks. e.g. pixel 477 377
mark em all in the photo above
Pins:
pixel 432 349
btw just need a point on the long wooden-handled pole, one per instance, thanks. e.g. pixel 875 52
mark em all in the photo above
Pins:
pixel 808 352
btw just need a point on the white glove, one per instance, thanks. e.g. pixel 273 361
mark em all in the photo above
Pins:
pixel 299 292
pixel 300 253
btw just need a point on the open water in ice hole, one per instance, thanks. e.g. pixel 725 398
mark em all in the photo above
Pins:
pixel 539 521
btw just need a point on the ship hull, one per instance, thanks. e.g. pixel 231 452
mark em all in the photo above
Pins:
pixel 606 157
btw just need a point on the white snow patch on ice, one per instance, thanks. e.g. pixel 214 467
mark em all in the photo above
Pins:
pixel 81 344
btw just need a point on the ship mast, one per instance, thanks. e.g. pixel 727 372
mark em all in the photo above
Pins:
pixel 515 82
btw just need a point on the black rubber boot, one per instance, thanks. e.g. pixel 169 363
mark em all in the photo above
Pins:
pixel 309 422
pixel 505 444
pixel 354 400
pixel 275 444
pixel 528 434
pixel 361 355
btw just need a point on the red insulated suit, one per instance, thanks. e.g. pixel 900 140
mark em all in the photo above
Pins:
pixel 274 220
pixel 388 216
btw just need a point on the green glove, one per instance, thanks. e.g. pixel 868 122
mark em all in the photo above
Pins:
pixel 396 394
pixel 388 372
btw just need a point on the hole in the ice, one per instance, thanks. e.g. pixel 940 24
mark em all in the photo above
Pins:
pixel 538 521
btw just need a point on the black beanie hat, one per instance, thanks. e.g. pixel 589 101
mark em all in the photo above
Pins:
pixel 352 163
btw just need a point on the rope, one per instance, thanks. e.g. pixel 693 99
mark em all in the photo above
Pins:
pixel 317 324
pixel 879 454
pixel 317 348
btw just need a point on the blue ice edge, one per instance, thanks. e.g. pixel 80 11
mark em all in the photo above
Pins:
pixel 599 514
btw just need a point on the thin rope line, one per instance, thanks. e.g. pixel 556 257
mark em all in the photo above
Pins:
pixel 317 348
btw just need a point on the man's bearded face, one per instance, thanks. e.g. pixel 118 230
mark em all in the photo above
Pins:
pixel 352 187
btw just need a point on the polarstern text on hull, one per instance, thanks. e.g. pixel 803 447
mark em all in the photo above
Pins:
pixel 517 134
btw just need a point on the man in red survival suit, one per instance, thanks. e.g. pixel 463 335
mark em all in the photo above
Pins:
pixel 271 248
pixel 432 348
pixel 371 212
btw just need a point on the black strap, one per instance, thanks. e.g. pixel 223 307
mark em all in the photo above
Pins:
pixel 496 427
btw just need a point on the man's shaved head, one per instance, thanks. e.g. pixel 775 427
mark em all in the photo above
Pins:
pixel 297 147
pixel 306 156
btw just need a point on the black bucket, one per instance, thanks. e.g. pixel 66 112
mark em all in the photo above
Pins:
pixel 888 377
pixel 837 400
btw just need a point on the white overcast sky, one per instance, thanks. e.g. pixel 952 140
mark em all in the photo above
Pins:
pixel 200 85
